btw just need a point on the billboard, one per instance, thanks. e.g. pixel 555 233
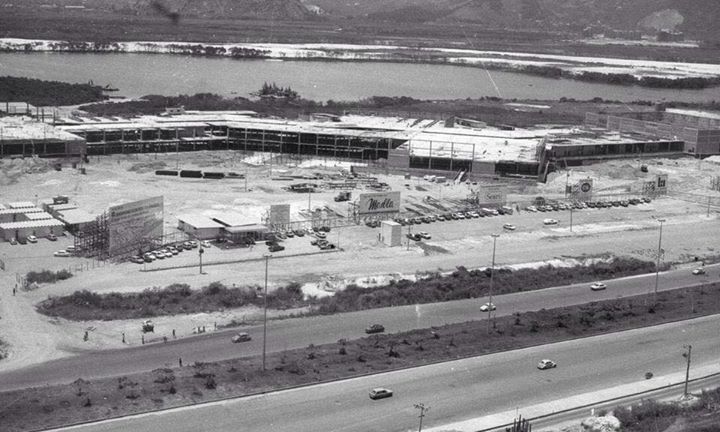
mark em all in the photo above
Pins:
pixel 661 184
pixel 279 215
pixel 583 189
pixel 493 194
pixel 378 202
pixel 134 224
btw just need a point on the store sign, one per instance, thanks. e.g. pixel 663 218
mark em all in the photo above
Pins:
pixel 582 189
pixel 379 202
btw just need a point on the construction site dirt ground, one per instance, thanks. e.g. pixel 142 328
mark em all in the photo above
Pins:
pixel 689 231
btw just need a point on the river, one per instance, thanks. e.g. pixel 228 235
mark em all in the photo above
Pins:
pixel 141 74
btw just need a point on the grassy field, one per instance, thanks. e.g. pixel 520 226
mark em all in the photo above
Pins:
pixel 164 388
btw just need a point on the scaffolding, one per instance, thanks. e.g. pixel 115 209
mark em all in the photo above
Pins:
pixel 93 239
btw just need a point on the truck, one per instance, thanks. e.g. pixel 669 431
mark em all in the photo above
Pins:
pixel 343 196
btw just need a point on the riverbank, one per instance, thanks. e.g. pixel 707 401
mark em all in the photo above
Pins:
pixel 645 73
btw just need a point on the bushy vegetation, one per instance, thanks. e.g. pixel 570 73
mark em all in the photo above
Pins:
pixel 47 276
pixel 275 90
pixel 464 284
pixel 173 299
pixel 42 93
pixel 650 415
pixel 461 284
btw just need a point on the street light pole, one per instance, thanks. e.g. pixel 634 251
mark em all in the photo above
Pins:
pixel 422 409
pixel 200 254
pixel 267 259
pixel 657 264
pixel 687 370
pixel 492 280
pixel 571 211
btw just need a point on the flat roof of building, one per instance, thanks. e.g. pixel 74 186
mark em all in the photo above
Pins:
pixel 23 128
pixel 229 219
pixel 31 224
pixel 199 221
pixel 38 216
pixel 21 211
pixel 694 113
pixel 21 204
pixel 62 207
pixel 75 216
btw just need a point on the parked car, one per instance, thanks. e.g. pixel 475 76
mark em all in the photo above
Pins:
pixel 62 253
pixel 474 214
pixel 241 337
pixel 487 307
pixel 424 235
pixel 149 257
pixel 441 218
pixel 173 250
pixel 380 393
pixel 375 328
pixel 598 286
pixel 326 245
pixel 137 259
pixel 71 249
pixel 531 209
pixel 289 234
pixel 13 241
pixel 276 247
pixel 205 244
pixel 52 237
pixel 22 241
pixel 550 221
pixel 32 239
pixel 414 236
pixel 148 326
pixel 546 364
pixel 299 233
pixel 699 271
pixel 320 235
pixel 509 227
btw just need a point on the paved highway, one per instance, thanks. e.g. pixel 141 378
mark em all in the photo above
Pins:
pixel 455 390
pixel 300 332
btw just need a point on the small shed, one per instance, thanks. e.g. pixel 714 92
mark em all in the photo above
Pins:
pixel 390 233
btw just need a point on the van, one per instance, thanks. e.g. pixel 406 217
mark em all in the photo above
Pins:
pixel 507 210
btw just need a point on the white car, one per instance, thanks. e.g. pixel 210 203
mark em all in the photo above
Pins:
pixel 531 209
pixel 699 271
pixel 62 253
pixel 550 221
pixel 487 307
pixel 509 227
pixel 206 244
pixel 424 235
pixel 546 364
pixel 380 393
pixel 597 286
pixel 32 239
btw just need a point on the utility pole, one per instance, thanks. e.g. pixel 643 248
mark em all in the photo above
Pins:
pixel 201 251
pixel 657 264
pixel 408 236
pixel 571 212
pixel 687 370
pixel 422 409
pixel 492 280
pixel 267 259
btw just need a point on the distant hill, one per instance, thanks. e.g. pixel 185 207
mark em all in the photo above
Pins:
pixel 697 18
pixel 285 10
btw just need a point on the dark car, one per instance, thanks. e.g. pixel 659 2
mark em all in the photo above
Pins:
pixel 22 241
pixel 414 236
pixel 375 328
pixel 276 247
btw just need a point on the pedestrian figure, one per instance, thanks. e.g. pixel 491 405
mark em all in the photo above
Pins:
pixel 123 337
pixel 142 339
pixel 180 361
pixel 85 338
pixel 164 338
pixel 203 329
pixel 215 325
pixel 14 289
pixel 173 333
